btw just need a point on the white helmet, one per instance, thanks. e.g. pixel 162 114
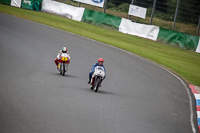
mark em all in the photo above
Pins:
pixel 64 50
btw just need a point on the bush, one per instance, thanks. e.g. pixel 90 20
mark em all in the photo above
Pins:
pixel 160 15
pixel 124 7
pixel 164 16
pixel 110 5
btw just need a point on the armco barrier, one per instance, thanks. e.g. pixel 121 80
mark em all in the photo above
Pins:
pixel 141 30
pixel 32 4
pixel 16 3
pixel 179 39
pixel 27 4
pixel 71 12
pixel 101 19
pixel 37 5
pixel 198 47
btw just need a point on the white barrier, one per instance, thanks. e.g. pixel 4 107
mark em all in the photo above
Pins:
pixel 198 47
pixel 16 3
pixel 141 30
pixel 74 13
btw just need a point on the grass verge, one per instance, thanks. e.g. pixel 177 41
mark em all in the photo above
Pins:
pixel 184 63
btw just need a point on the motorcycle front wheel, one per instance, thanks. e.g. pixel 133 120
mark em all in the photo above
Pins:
pixel 63 71
pixel 97 84
pixel 60 66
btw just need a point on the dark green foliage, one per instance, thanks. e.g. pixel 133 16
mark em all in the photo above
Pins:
pixel 118 2
pixel 124 7
pixel 189 10
pixel 5 2
pixel 110 5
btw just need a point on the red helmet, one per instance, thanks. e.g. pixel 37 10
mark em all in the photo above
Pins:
pixel 101 59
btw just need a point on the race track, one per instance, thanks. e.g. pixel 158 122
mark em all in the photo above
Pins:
pixel 137 96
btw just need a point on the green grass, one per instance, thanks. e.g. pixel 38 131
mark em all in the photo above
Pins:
pixel 184 63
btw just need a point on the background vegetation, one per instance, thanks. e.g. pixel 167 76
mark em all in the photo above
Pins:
pixel 187 19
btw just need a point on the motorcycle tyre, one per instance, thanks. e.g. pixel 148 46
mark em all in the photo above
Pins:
pixel 60 70
pixel 63 73
pixel 92 88
pixel 97 84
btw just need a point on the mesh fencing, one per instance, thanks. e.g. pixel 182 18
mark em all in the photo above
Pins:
pixel 187 19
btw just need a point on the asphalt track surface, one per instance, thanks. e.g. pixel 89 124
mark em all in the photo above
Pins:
pixel 137 96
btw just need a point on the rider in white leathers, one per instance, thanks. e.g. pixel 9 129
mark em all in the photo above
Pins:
pixel 64 50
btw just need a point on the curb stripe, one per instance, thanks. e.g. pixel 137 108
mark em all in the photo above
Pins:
pixel 197 97
pixel 198 108
pixel 194 90
pixel 198 102
pixel 198 121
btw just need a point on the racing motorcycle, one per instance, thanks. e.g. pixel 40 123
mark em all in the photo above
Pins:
pixel 97 77
pixel 63 63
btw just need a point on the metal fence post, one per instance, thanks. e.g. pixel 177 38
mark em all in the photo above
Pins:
pixel 178 2
pixel 132 2
pixel 153 9
pixel 198 27
pixel 79 4
pixel 105 6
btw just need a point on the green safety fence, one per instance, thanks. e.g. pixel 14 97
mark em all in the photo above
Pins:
pixel 32 4
pixel 5 2
pixel 101 19
pixel 179 39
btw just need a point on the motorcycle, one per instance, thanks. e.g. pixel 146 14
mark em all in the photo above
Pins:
pixel 63 63
pixel 97 77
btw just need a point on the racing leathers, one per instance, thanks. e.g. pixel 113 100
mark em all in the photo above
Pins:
pixel 58 57
pixel 92 71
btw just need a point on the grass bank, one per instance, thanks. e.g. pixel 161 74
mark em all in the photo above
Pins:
pixel 183 62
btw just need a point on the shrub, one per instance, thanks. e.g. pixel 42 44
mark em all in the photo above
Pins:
pixel 110 5
pixel 124 7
